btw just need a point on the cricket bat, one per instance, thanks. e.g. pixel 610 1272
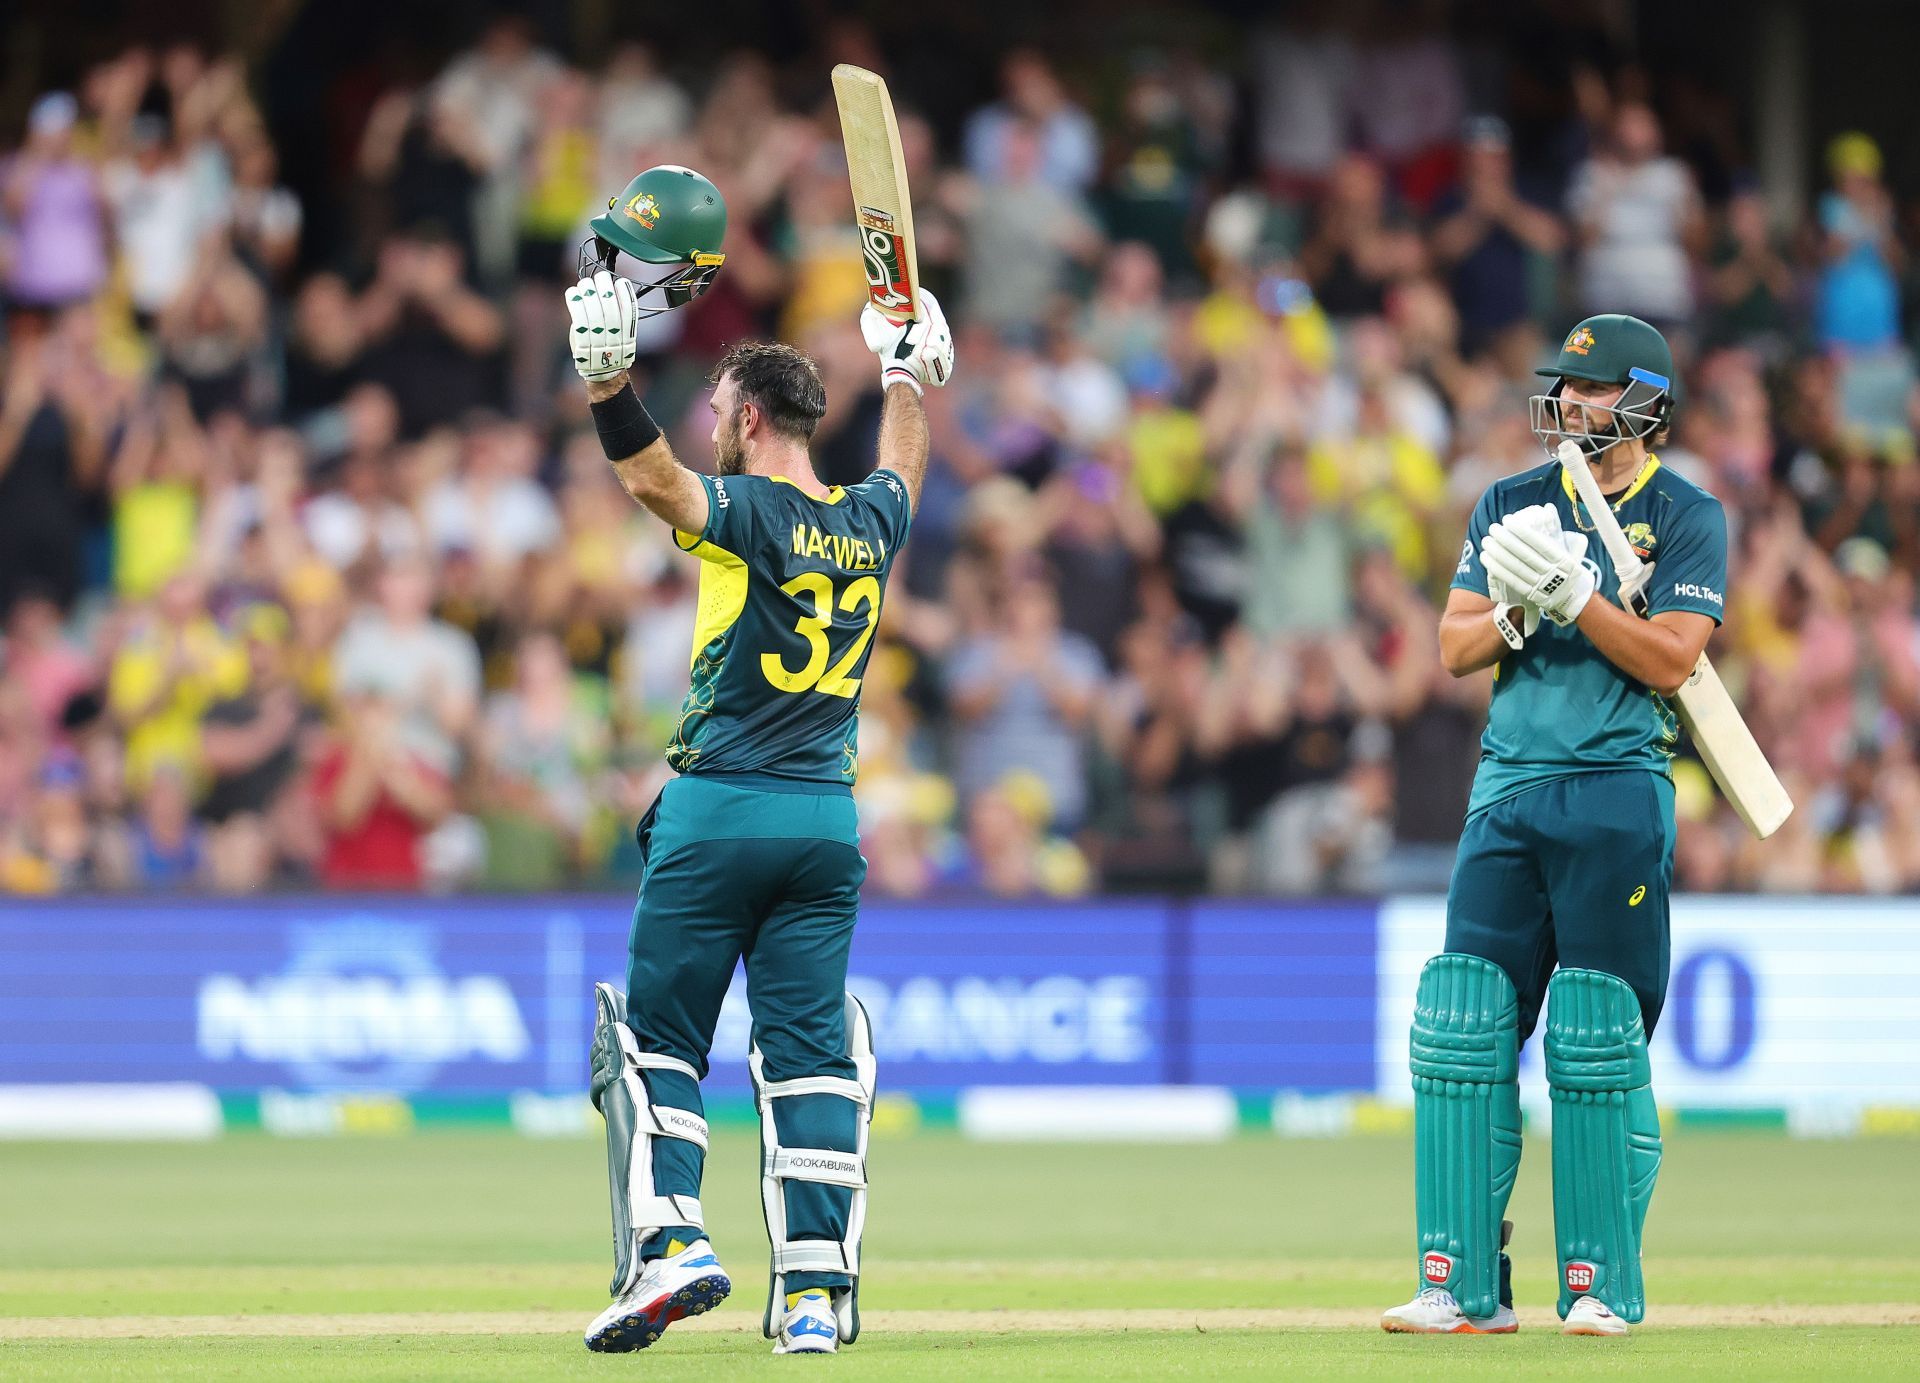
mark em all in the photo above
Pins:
pixel 877 168
pixel 1725 743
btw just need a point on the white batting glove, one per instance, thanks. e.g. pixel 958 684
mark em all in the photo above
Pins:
pixel 918 353
pixel 1545 569
pixel 1505 598
pixel 601 338
pixel 1542 518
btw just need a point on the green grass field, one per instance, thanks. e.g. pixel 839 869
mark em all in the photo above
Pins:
pixel 471 1255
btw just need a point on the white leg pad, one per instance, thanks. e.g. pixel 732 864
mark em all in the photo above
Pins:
pixel 827 1166
pixel 633 1122
pixel 819 1164
pixel 816 1256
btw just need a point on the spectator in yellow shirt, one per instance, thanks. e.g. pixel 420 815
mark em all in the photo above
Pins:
pixel 156 480
pixel 1389 483
pixel 175 663
pixel 558 190
pixel 316 598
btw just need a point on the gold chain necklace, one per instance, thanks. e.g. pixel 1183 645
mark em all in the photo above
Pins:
pixel 1583 521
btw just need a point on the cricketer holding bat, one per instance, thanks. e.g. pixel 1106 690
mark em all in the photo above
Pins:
pixel 1566 855
pixel 753 850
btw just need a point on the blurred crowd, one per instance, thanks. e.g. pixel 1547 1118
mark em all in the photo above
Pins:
pixel 313 574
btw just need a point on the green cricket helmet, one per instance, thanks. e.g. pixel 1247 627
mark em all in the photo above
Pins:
pixel 1609 349
pixel 664 232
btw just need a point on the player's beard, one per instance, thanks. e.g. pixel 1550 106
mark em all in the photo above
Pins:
pixel 1595 443
pixel 728 455
pixel 1595 437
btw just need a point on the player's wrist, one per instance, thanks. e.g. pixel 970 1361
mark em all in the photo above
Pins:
pixel 900 374
pixel 625 427
pixel 1510 632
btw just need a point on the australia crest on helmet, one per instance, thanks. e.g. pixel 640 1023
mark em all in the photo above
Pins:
pixel 665 231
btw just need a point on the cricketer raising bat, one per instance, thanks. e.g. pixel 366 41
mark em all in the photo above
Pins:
pixel 877 168
pixel 1725 743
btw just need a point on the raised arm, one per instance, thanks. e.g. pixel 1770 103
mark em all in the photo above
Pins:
pixel 648 470
pixel 903 437
pixel 602 312
pixel 914 356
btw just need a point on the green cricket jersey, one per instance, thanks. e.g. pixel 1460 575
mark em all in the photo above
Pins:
pixel 789 597
pixel 1559 707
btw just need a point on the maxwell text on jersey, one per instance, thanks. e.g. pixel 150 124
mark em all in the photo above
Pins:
pixel 849 554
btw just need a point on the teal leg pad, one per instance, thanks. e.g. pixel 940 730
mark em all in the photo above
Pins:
pixel 1606 1138
pixel 1466 1124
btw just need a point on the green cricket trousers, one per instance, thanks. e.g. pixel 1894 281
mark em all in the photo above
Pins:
pixel 768 875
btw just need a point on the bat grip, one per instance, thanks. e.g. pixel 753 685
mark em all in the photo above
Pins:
pixel 1626 562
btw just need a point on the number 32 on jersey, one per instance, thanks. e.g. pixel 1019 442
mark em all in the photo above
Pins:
pixel 815 675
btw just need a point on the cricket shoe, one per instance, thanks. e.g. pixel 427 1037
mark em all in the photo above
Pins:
pixel 1590 1316
pixel 1435 1312
pixel 690 1282
pixel 809 1326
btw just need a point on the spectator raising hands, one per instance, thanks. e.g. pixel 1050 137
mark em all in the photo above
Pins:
pixel 304 580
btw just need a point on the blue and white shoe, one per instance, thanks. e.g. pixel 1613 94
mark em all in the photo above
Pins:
pixel 809 1326
pixel 688 1283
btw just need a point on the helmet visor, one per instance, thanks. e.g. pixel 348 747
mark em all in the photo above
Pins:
pixel 1640 411
pixel 657 287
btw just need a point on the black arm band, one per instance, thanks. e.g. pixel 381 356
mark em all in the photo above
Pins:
pixel 625 427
